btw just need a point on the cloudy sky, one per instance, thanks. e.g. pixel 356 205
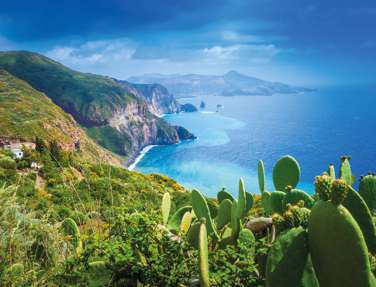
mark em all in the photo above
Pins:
pixel 321 42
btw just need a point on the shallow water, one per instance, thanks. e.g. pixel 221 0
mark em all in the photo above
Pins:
pixel 316 128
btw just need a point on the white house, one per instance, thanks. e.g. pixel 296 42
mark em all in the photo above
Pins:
pixel 17 152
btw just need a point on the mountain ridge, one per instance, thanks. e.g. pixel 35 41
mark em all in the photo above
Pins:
pixel 230 84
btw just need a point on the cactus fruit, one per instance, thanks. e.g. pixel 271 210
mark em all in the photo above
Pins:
pixel 203 255
pixel 293 196
pixel 345 170
pixel 339 191
pixel 296 216
pixel 338 251
pixel 287 259
pixel 286 172
pixel 323 185
pixel 223 194
pixel 176 219
pixel 331 172
pixel 201 210
pixel 359 210
pixel 367 189
pixel 261 176
pixel 70 228
pixel 242 200
pixel 224 213
pixel 276 201
pixel 186 222
pixel 166 206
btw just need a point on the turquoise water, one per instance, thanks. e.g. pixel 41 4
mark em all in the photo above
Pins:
pixel 316 128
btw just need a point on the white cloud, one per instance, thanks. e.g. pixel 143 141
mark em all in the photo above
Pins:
pixel 249 53
pixel 93 53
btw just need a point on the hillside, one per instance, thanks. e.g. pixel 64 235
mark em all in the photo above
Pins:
pixel 26 113
pixel 229 84
pixel 112 115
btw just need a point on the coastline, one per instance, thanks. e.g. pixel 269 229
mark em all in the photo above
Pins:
pixel 141 154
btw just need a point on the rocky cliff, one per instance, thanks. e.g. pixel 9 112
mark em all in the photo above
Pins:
pixel 159 100
pixel 119 116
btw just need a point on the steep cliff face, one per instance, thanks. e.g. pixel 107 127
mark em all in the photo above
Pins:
pixel 120 116
pixel 142 127
pixel 159 99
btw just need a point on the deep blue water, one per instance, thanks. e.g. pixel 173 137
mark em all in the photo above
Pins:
pixel 316 128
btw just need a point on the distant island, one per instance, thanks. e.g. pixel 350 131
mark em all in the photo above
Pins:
pixel 229 84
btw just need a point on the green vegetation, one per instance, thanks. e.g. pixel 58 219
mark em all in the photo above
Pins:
pixel 79 223
pixel 112 117
pixel 25 113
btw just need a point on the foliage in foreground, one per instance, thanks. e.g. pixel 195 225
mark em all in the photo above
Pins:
pixel 74 223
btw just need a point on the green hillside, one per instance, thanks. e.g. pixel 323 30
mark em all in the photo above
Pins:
pixel 94 101
pixel 89 98
pixel 26 113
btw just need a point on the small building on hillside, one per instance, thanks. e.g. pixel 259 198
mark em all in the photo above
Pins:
pixel 17 152
pixel 16 146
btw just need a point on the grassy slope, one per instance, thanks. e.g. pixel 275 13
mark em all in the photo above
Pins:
pixel 25 113
pixel 89 98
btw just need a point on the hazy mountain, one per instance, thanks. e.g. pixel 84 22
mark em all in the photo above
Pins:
pixel 229 84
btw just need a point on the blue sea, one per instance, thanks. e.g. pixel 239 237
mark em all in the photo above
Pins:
pixel 316 128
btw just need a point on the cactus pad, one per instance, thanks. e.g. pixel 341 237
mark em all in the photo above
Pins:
pixel 286 172
pixel 287 259
pixel 261 176
pixel 338 251
pixel 203 256
pixel 201 210
pixel 367 189
pixel 224 213
pixel 166 206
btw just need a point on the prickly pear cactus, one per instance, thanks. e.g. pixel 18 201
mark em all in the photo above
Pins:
pixel 293 196
pixel 286 172
pixel 223 194
pixel 192 234
pixel 175 220
pixel 70 228
pixel 276 201
pixel 345 170
pixel 166 206
pixel 261 176
pixel 367 189
pixel 338 250
pixel 331 172
pixel 235 222
pixel 323 186
pixel 203 255
pixel 224 214
pixel 249 204
pixel 287 259
pixel 186 222
pixel 359 210
pixel 201 210
pixel 242 200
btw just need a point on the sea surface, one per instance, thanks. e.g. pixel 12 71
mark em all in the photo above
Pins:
pixel 316 128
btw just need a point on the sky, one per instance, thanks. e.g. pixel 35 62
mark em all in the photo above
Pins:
pixel 313 43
